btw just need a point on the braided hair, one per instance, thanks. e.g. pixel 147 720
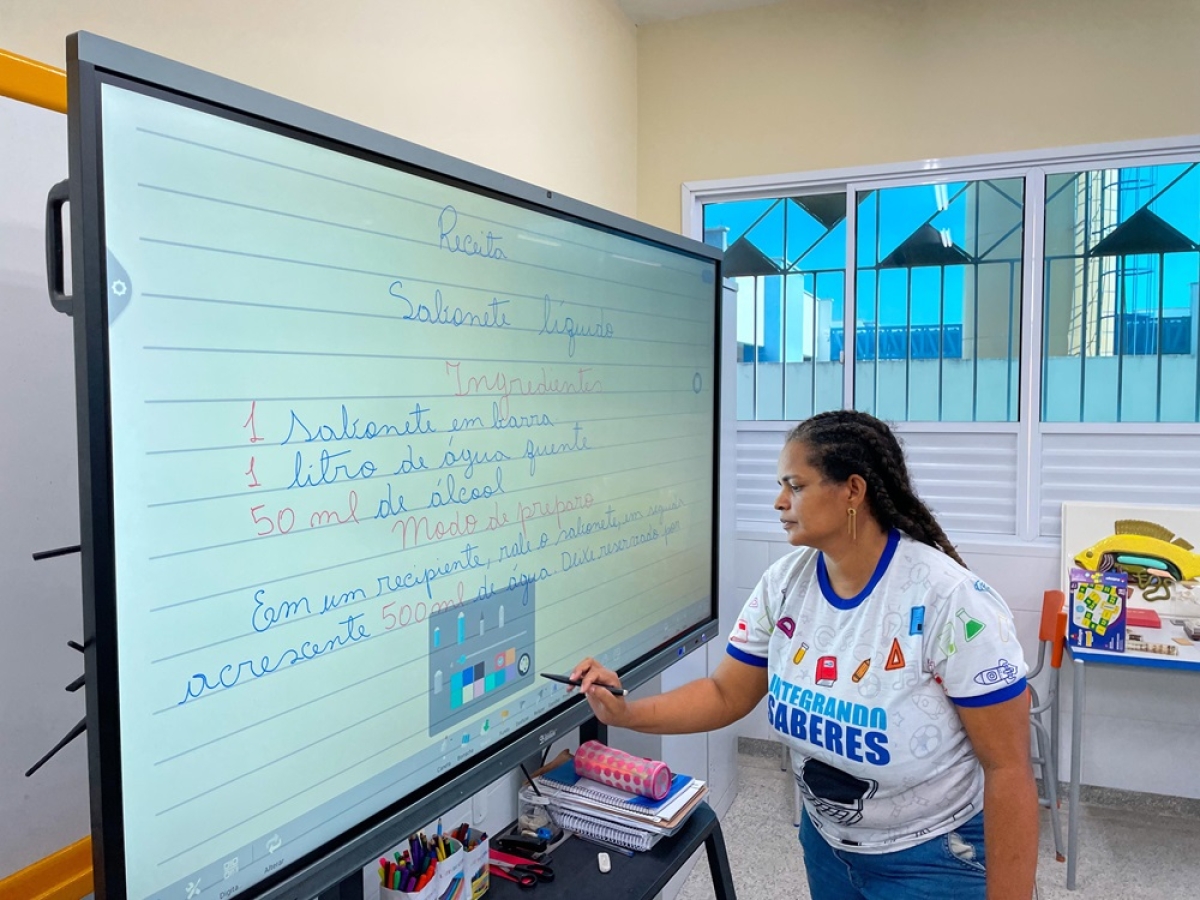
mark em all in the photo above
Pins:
pixel 847 442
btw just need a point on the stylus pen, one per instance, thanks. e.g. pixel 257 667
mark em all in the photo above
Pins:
pixel 563 679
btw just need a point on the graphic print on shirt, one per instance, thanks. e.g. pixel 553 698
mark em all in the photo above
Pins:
pixel 897 765
pixel 911 796
pixel 945 640
pixel 1003 672
pixel 916 620
pixel 838 796
pixel 826 671
pixel 925 740
pixel 895 658
pixel 754 617
pixel 1005 626
pixel 852 731
pixel 971 626
pixel 870 687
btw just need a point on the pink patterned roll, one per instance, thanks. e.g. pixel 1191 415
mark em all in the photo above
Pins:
pixel 647 777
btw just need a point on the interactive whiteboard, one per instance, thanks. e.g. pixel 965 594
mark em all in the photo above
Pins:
pixel 384 445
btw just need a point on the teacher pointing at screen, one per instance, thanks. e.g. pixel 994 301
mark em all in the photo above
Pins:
pixel 893 674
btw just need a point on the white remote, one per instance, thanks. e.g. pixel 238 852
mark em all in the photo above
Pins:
pixel 604 862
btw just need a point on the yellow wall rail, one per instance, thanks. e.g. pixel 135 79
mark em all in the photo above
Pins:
pixel 65 875
pixel 32 82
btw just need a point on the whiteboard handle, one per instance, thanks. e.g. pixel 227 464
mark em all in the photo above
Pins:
pixel 59 194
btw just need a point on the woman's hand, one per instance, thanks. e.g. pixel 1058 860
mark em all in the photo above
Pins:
pixel 701 705
pixel 609 709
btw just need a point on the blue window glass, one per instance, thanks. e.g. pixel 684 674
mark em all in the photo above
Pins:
pixel 1120 310
pixel 938 301
pixel 788 258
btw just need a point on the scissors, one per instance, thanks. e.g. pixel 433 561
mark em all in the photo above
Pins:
pixel 526 874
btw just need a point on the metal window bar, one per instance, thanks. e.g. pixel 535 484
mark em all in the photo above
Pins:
pixel 1047 281
pixel 1083 303
pixel 816 349
pixel 1162 278
pixel 975 345
pixel 1121 274
pixel 975 326
pixel 1008 381
pixel 875 263
pixel 942 333
pixel 907 342
pixel 783 338
pixel 754 337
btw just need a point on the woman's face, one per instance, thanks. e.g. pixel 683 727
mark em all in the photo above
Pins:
pixel 812 510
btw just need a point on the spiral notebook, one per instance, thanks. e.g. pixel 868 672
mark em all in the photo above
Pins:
pixel 613 833
pixel 564 777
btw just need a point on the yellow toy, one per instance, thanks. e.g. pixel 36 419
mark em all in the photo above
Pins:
pixel 1145 546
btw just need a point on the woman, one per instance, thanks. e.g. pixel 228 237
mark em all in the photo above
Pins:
pixel 892 673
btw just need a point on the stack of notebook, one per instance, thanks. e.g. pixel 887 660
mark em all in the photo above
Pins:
pixel 617 817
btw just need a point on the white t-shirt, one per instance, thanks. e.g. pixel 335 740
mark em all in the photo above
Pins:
pixel 863 690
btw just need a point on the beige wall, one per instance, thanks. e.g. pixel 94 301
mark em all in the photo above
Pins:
pixel 815 84
pixel 543 90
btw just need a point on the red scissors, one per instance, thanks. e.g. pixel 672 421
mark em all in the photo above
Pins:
pixel 526 876
pixel 526 873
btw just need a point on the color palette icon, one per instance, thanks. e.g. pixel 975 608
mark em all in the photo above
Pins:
pixel 477 681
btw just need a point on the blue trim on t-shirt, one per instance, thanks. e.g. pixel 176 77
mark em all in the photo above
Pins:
pixel 841 603
pixel 743 656
pixel 998 696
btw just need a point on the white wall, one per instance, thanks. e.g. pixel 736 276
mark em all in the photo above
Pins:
pixel 40 605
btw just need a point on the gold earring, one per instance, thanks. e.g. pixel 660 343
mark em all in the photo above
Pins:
pixel 852 524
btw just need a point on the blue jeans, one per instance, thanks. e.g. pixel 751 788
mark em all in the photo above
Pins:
pixel 949 867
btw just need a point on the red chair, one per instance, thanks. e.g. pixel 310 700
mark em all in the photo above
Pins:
pixel 1052 635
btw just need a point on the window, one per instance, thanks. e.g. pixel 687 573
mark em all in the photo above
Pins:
pixel 1030 322
pixel 938 301
pixel 1121 272
pixel 788 258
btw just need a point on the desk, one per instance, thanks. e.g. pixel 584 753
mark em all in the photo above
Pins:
pixel 639 877
pixel 1080 660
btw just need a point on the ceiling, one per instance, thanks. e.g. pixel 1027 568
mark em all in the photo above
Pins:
pixel 642 12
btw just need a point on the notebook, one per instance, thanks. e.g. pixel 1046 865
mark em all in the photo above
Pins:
pixel 565 777
pixel 612 832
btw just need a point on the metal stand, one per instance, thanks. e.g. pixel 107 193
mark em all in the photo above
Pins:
pixel 593 730
pixel 1077 689
pixel 640 877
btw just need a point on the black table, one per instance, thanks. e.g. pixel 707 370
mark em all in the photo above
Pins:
pixel 640 877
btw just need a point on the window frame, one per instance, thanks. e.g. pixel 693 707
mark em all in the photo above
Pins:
pixel 1034 166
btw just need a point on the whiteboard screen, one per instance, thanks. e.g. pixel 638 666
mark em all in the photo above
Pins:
pixel 384 447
